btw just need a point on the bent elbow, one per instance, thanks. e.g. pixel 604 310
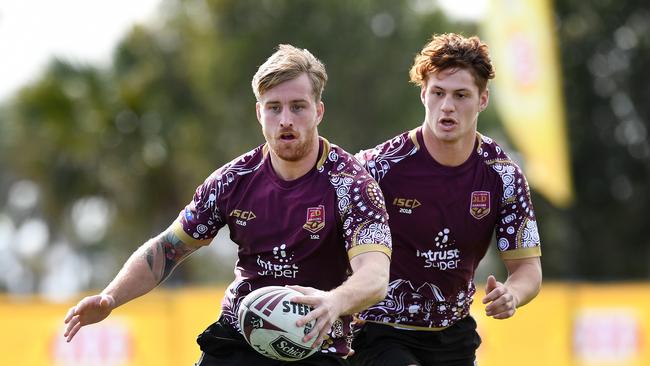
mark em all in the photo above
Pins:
pixel 382 294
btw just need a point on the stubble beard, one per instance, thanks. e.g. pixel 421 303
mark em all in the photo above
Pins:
pixel 296 150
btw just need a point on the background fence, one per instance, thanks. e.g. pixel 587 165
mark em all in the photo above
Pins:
pixel 568 324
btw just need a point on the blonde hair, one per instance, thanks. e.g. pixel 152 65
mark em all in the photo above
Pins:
pixel 449 51
pixel 288 63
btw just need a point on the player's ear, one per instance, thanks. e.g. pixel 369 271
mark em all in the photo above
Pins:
pixel 257 112
pixel 423 90
pixel 484 99
pixel 320 111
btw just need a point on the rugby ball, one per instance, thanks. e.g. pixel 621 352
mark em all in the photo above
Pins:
pixel 267 320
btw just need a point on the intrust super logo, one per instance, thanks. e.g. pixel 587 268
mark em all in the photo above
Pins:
pixel 241 216
pixel 443 257
pixel 406 205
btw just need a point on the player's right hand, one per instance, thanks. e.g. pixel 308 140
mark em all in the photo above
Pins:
pixel 500 301
pixel 326 309
pixel 89 310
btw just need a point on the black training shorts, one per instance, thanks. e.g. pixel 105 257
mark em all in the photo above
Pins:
pixel 224 346
pixel 378 345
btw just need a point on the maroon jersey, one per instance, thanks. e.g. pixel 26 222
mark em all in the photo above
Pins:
pixel 442 220
pixel 299 232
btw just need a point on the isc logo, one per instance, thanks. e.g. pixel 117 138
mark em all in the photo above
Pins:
pixel 242 216
pixel 406 205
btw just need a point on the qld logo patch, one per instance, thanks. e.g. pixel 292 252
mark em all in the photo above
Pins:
pixel 315 219
pixel 479 206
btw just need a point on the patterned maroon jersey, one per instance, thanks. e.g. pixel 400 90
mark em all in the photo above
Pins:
pixel 300 232
pixel 442 220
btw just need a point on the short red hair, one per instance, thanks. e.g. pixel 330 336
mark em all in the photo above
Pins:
pixel 451 51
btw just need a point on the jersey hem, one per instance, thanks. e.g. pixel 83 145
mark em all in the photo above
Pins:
pixel 408 327
pixel 364 248
pixel 177 229
pixel 522 253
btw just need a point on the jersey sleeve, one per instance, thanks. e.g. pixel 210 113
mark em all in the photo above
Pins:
pixel 367 160
pixel 200 221
pixel 516 230
pixel 363 213
pixel 379 160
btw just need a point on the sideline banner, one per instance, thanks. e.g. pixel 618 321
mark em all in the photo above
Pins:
pixel 528 92
pixel 566 325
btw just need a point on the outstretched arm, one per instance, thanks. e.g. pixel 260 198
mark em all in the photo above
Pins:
pixel 522 285
pixel 147 267
pixel 367 286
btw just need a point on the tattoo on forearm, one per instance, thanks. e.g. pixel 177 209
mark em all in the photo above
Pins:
pixel 165 254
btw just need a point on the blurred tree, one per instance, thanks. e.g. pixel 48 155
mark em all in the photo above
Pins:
pixel 606 48
pixel 177 103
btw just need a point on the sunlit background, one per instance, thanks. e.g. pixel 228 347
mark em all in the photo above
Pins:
pixel 35 35
pixel 112 112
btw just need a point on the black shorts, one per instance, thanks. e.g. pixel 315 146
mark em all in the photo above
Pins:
pixel 376 345
pixel 224 346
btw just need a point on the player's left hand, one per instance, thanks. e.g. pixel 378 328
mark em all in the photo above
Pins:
pixel 326 309
pixel 501 303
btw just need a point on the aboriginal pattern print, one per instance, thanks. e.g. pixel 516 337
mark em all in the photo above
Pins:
pixel 362 209
pixel 234 296
pixel 338 200
pixel 425 305
pixel 442 242
pixel 518 220
pixel 207 195
pixel 379 160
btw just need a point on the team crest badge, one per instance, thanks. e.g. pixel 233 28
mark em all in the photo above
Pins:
pixel 315 219
pixel 479 206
